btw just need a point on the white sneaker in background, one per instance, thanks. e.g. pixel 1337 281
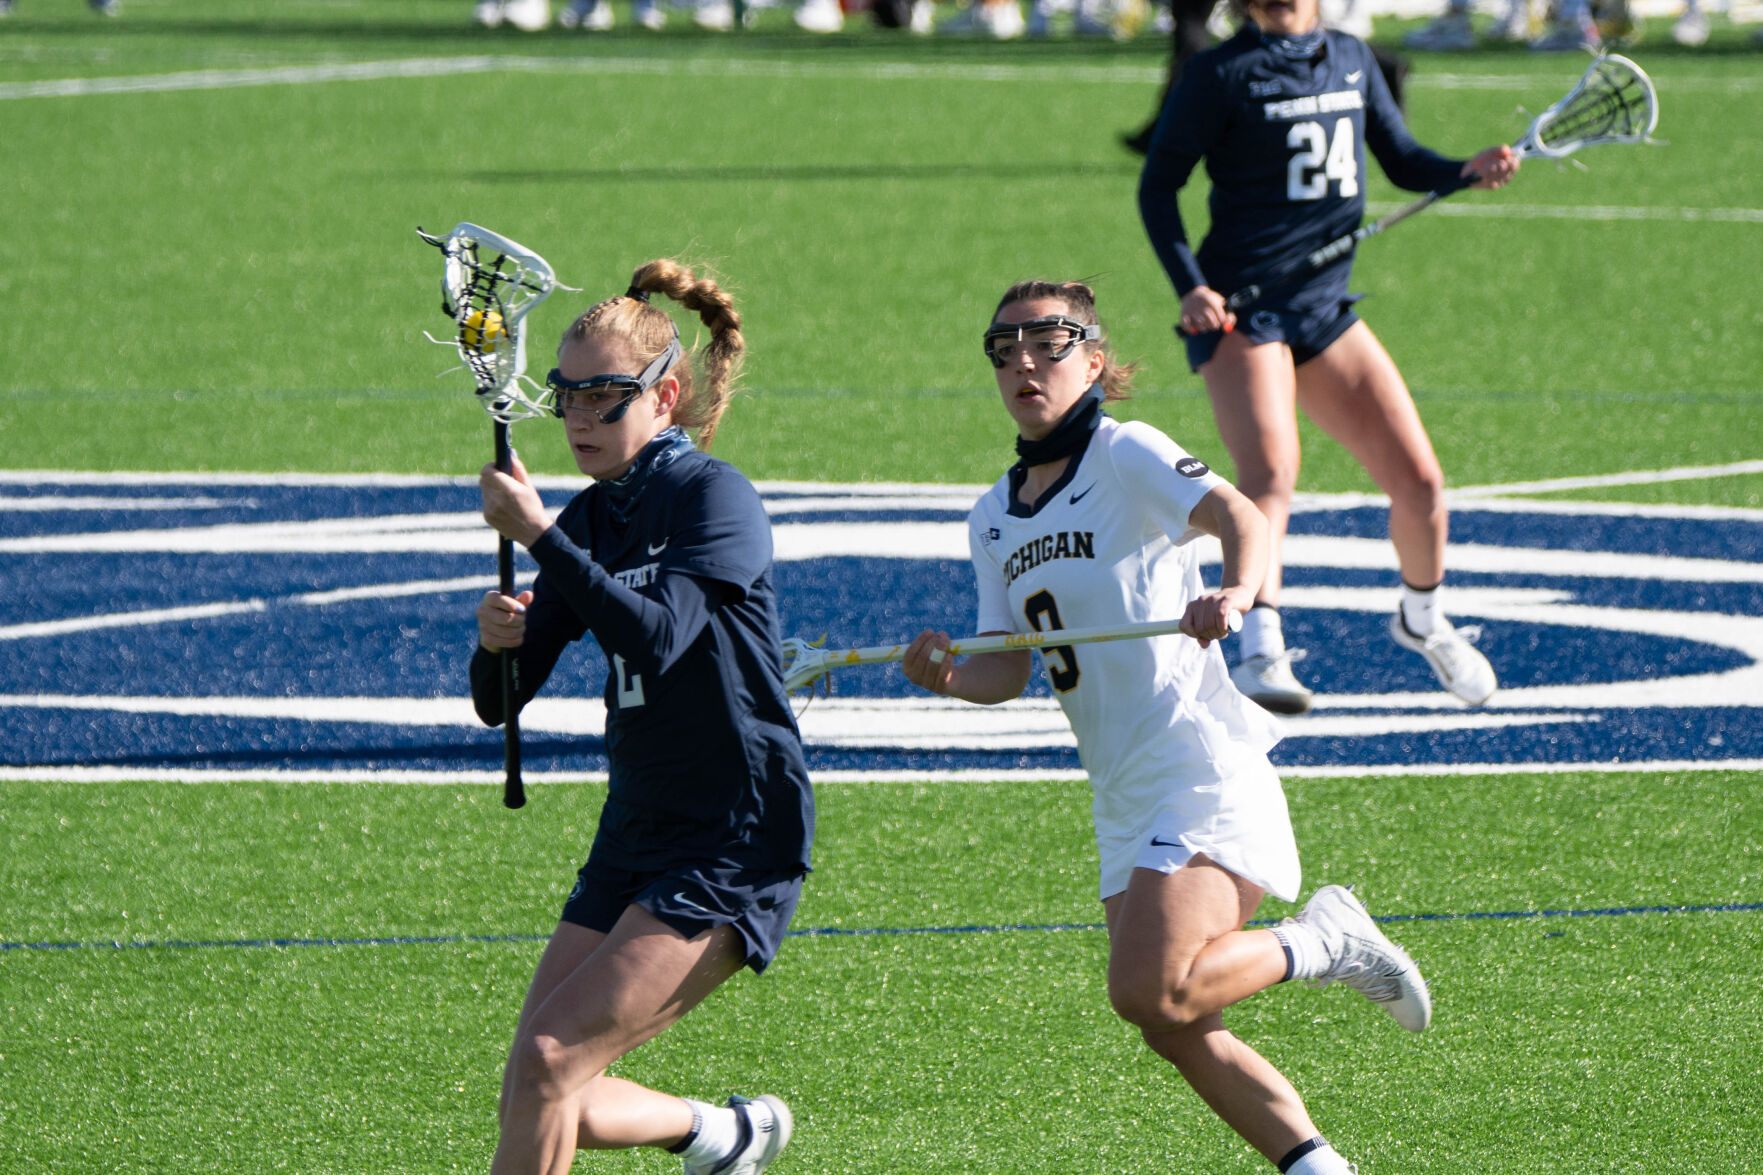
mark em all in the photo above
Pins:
pixel 924 18
pixel 529 16
pixel 1517 26
pixel 488 13
pixel 1567 36
pixel 819 16
pixel 1455 660
pixel 1691 30
pixel 591 16
pixel 717 16
pixel 1450 33
pixel 1268 682
pixel 1364 959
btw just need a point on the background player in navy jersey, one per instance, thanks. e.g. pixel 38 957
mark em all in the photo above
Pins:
pixel 1093 527
pixel 703 841
pixel 1282 114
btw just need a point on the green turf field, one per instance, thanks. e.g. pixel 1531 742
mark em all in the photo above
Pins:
pixel 228 279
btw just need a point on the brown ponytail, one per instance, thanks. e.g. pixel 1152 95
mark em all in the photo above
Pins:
pixel 1080 304
pixel 647 330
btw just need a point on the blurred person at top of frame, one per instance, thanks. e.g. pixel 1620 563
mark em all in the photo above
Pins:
pixel 1282 115
pixel 703 840
pixel 101 7
pixel 717 16
pixel 1094 526
pixel 1193 21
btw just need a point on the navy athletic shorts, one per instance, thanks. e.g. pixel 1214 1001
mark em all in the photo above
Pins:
pixel 1307 332
pixel 691 898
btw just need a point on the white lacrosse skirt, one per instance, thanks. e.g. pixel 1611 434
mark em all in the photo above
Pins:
pixel 1176 755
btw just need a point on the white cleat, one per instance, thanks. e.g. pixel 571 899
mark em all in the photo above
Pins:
pixel 1364 959
pixel 1450 33
pixel 769 1126
pixel 590 16
pixel 819 16
pixel 1691 30
pixel 1455 660
pixel 1268 682
pixel 717 16
pixel 1569 36
pixel 488 13
pixel 529 16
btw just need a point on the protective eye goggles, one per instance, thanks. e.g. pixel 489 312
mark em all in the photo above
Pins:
pixel 582 395
pixel 1049 340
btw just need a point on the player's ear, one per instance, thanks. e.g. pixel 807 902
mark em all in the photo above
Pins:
pixel 666 394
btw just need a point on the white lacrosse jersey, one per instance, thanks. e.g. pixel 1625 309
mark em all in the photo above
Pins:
pixel 1163 734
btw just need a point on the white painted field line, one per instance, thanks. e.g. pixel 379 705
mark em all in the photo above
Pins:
pixel 796 67
pixel 1508 211
pixel 1606 480
pixel 833 777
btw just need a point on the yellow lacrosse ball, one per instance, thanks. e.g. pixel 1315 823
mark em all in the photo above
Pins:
pixel 482 330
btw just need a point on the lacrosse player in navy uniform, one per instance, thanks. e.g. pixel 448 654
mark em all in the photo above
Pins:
pixel 1282 114
pixel 703 841
pixel 1094 527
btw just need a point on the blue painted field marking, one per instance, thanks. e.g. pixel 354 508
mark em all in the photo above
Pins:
pixel 340 610
pixel 846 932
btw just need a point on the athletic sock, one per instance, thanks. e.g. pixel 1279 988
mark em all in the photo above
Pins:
pixel 1307 953
pixel 1262 635
pixel 1420 609
pixel 1315 1157
pixel 716 1132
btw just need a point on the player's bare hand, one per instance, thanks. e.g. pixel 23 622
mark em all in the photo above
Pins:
pixel 501 621
pixel 1212 617
pixel 1202 311
pixel 927 662
pixel 1493 168
pixel 511 504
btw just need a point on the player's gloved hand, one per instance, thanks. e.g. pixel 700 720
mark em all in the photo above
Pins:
pixel 1203 311
pixel 501 621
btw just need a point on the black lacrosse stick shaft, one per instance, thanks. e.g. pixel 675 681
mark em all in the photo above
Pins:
pixel 513 791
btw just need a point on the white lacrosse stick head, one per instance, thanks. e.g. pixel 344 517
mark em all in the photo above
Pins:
pixel 805 662
pixel 1614 102
pixel 489 286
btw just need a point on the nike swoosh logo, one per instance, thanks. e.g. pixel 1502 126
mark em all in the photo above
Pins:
pixel 688 903
pixel 1165 844
pixel 1355 76
pixel 1075 497
pixel 657 548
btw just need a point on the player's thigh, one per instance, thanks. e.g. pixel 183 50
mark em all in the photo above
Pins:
pixel 1161 922
pixel 1254 392
pixel 1354 393
pixel 639 981
pixel 568 949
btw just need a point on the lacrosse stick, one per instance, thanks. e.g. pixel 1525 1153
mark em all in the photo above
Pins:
pixel 1613 102
pixel 490 285
pixel 806 662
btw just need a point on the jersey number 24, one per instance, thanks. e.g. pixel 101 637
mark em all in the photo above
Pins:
pixel 1320 159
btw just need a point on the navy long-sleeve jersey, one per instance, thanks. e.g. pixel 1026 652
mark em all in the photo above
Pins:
pixel 1284 145
pixel 705 759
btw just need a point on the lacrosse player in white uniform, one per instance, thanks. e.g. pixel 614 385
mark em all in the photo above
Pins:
pixel 1095 526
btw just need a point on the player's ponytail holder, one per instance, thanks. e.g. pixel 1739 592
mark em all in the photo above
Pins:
pixel 639 295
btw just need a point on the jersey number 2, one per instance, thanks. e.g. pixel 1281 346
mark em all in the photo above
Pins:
pixel 1320 160
pixel 630 685
pixel 1043 616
